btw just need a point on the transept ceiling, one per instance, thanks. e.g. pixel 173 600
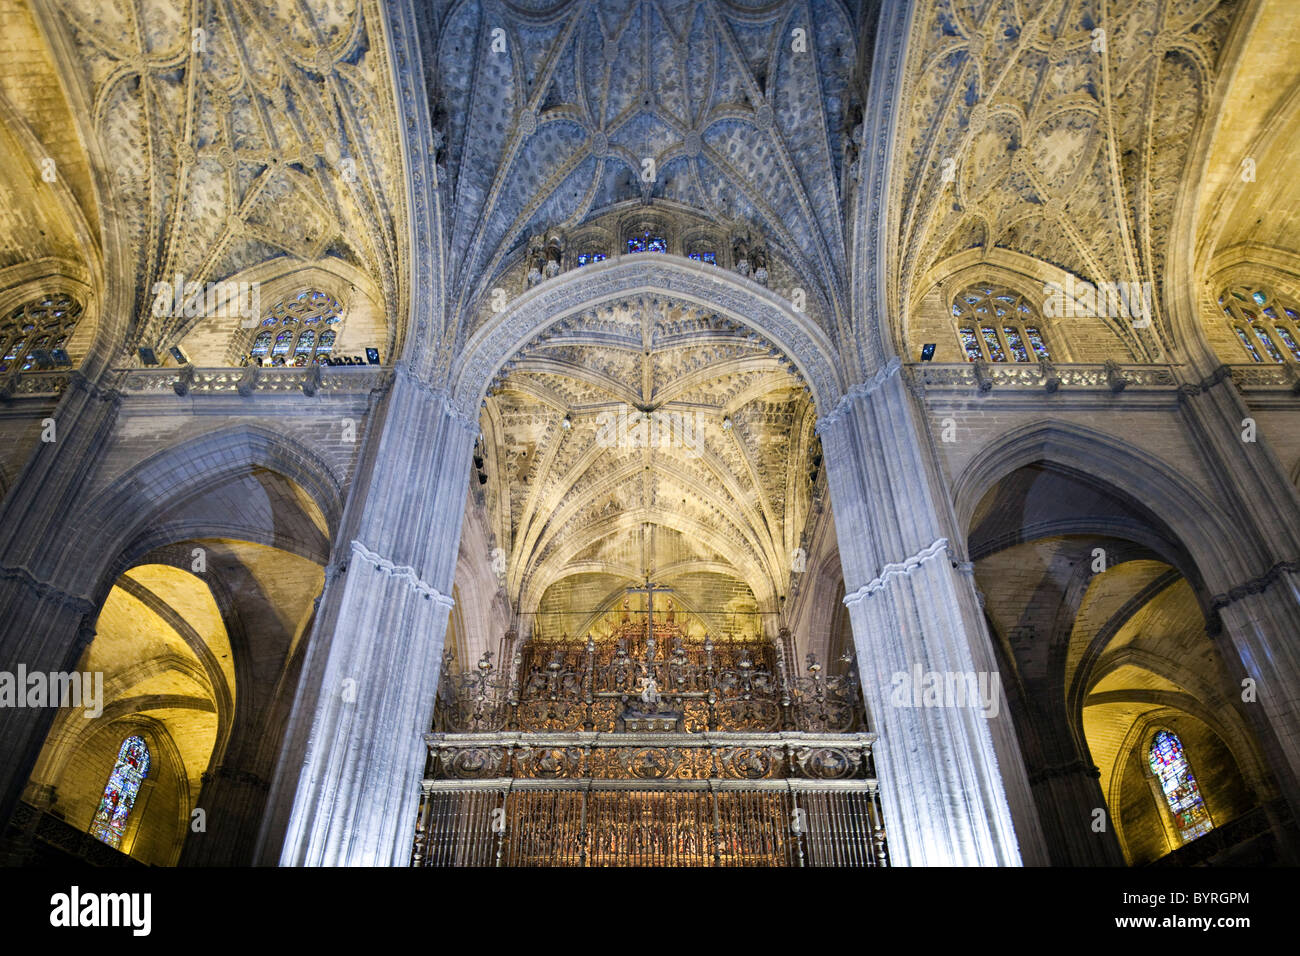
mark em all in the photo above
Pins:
pixel 1058 130
pixel 551 112
pixel 237 135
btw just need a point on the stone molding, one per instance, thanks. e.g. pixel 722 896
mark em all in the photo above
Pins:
pixel 403 572
pixel 861 390
pixel 905 567
pixel 1256 585
pixel 45 590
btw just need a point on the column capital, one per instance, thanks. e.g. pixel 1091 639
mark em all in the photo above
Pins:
pixel 440 394
pixel 855 392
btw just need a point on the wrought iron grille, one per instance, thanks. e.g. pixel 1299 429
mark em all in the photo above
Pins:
pixel 649 749
pixel 572 823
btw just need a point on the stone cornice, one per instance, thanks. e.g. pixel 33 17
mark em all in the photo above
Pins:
pixel 46 591
pixel 1257 585
pixel 905 567
pixel 861 390
pixel 402 572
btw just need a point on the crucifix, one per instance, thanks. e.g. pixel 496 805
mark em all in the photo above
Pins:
pixel 650 589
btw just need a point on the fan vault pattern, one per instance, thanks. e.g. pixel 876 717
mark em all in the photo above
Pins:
pixel 1061 131
pixel 551 113
pixel 240 135
pixel 585 499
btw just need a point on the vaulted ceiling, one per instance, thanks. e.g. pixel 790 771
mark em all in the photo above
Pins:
pixel 234 135
pixel 1062 130
pixel 553 111
pixel 708 492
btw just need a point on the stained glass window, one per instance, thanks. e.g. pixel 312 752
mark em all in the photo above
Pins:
pixel 1272 351
pixel 710 257
pixel 997 313
pixel 1289 341
pixel 1037 344
pixel 994 346
pixel 298 318
pixel 585 257
pixel 44 323
pixel 1169 764
pixel 124 782
pixel 1250 346
pixel 1014 343
pixel 647 242
pixel 1255 329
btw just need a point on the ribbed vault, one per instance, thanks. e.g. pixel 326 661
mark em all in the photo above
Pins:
pixel 647 438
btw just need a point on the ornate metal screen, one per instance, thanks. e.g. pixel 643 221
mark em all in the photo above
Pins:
pixel 649 749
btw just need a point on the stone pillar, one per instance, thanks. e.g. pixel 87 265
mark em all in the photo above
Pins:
pixel 1067 787
pixel 46 589
pixel 1257 599
pixel 951 778
pixel 233 802
pixel 348 784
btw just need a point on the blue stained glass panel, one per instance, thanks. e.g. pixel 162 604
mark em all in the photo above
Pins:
pixel 1289 341
pixel 128 773
pixel 1169 764
pixel 971 344
pixel 1250 346
pixel 994 346
pixel 1269 347
pixel 1037 344
pixel 1015 344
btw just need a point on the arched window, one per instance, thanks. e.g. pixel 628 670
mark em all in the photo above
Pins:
pixel 999 325
pixel 583 258
pixel 704 256
pixel 1169 764
pixel 298 331
pixel 647 241
pixel 44 323
pixel 1267 327
pixel 119 795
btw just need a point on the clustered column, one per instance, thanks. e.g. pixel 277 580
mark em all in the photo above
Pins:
pixel 951 776
pixel 348 786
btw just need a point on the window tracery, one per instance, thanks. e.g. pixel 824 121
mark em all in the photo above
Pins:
pixel 1266 326
pixel 123 786
pixel 42 324
pixel 298 331
pixel 997 324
